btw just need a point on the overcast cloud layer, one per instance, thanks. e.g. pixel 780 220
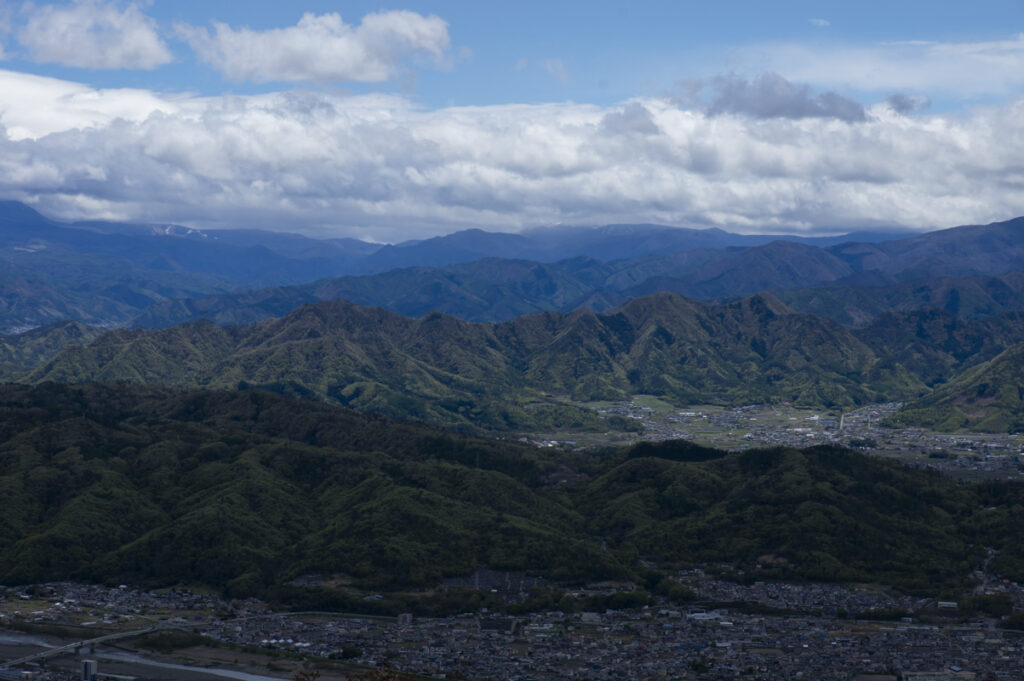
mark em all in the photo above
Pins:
pixel 376 166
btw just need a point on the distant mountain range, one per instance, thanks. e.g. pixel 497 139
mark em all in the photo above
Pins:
pixel 107 273
pixel 552 244
pixel 973 278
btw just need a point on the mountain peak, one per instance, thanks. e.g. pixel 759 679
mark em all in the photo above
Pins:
pixel 766 302
pixel 759 306
pixel 16 211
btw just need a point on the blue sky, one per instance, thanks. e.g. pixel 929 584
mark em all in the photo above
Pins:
pixel 402 121
pixel 501 52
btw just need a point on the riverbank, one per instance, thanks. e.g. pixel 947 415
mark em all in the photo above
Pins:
pixel 197 663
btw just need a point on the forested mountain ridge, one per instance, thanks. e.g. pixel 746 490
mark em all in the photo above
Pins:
pixel 242 489
pixel 23 352
pixel 987 398
pixel 526 374
pixel 245 490
pixel 508 375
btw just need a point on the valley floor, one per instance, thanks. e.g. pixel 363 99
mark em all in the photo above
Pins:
pixel 754 630
pixel 970 455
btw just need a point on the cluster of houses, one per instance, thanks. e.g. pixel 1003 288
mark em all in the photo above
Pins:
pixel 812 632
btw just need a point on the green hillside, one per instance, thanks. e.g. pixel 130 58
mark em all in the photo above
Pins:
pixel 988 398
pixel 513 375
pixel 935 345
pixel 23 352
pixel 830 514
pixel 531 373
pixel 244 491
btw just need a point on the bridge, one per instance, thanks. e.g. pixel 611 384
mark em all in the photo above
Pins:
pixel 87 643
pixel 71 647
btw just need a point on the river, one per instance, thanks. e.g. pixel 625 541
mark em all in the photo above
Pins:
pixel 23 641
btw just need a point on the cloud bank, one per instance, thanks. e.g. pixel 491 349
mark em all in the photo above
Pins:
pixel 320 48
pixel 95 35
pixel 377 166
pixel 772 96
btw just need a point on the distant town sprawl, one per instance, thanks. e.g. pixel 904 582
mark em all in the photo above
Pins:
pixel 747 628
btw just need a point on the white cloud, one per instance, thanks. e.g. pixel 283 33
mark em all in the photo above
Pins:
pixel 93 34
pixel 35 105
pixel 820 22
pixel 321 48
pixel 961 69
pixel 631 119
pixel 377 166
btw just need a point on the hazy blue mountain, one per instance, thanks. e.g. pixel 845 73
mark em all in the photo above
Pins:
pixel 970 250
pixel 105 273
pixel 830 282
pixel 282 243
pixel 491 289
pixel 248 260
pixel 109 273
pixel 966 297
pixel 552 244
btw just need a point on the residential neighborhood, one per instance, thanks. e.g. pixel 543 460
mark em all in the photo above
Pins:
pixel 732 630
